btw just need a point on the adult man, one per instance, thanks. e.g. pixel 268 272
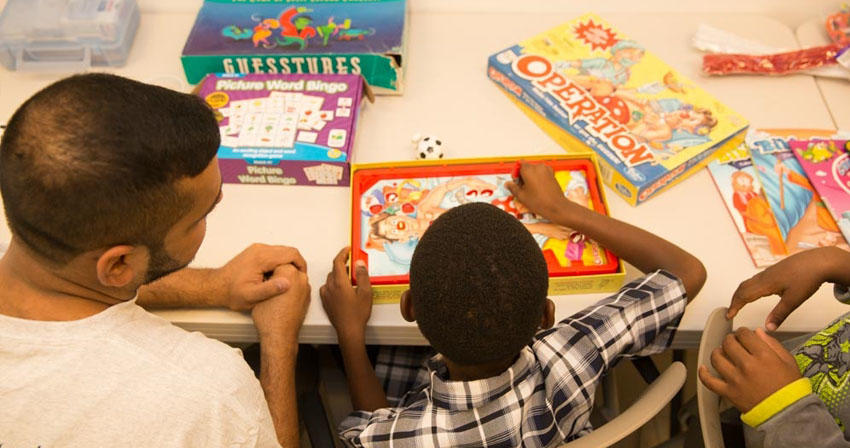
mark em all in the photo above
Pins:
pixel 106 184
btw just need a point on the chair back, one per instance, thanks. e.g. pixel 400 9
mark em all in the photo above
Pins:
pixel 708 403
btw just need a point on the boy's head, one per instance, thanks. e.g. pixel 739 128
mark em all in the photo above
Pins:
pixel 478 285
pixel 103 165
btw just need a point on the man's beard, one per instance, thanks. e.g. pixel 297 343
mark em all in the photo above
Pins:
pixel 161 264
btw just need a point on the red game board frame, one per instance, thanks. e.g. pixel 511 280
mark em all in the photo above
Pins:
pixel 364 178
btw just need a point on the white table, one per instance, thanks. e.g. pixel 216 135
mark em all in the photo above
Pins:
pixel 447 93
pixel 836 92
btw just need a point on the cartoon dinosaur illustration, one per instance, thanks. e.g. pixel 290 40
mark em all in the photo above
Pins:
pixel 236 33
pixel 331 29
pixel 295 28
pixel 355 33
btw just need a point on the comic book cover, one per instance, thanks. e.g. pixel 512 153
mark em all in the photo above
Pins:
pixel 803 219
pixel 736 180
pixel 826 162
pixel 650 125
pixel 365 37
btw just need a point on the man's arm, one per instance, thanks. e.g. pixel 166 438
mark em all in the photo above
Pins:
pixel 278 321
pixel 540 192
pixel 240 284
pixel 349 309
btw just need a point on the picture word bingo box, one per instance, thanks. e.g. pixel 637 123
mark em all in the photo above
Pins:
pixel 285 129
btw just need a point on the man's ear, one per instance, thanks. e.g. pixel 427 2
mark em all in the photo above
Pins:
pixel 406 305
pixel 548 318
pixel 120 265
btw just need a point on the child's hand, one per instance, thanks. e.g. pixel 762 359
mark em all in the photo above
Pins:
pixel 752 366
pixel 794 279
pixel 348 308
pixel 538 190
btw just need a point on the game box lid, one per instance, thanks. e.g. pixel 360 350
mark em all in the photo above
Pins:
pixel 66 35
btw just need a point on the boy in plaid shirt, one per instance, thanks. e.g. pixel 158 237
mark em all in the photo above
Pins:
pixel 503 374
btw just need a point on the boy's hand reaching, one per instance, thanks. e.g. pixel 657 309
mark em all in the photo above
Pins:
pixel 348 308
pixel 752 366
pixel 794 279
pixel 538 190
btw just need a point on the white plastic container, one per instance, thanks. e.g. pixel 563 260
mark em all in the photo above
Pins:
pixel 66 35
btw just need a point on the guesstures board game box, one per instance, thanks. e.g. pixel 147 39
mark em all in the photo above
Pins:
pixel 285 129
pixel 394 203
pixel 363 37
pixel 736 180
pixel 588 85
pixel 803 219
pixel 827 163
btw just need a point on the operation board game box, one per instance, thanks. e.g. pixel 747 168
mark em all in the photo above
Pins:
pixel 285 129
pixel 393 204
pixel 364 37
pixel 588 85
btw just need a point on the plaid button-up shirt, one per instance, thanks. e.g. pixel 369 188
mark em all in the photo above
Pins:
pixel 542 400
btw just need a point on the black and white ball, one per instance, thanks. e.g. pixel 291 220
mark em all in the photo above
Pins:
pixel 428 147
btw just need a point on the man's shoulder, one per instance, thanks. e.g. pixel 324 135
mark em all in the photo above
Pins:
pixel 189 357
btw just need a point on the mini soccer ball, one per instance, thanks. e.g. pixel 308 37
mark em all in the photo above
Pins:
pixel 428 147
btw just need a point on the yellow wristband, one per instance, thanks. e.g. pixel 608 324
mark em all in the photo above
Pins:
pixel 777 401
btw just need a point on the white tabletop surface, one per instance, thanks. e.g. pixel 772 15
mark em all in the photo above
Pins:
pixel 447 93
pixel 836 92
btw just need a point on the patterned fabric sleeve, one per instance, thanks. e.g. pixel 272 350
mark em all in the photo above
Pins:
pixel 638 320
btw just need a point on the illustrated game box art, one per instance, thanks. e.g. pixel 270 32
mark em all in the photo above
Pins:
pixel 364 37
pixel 393 205
pixel 285 129
pixel 586 84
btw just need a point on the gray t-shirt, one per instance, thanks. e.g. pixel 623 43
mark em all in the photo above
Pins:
pixel 125 377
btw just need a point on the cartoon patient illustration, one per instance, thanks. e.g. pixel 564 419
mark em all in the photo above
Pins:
pixel 668 125
pixel 396 215
pixel 755 211
pixel 602 76
pixel 402 227
pixel 295 28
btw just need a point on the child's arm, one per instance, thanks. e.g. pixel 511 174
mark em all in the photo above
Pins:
pixel 539 191
pixel 794 279
pixel 348 309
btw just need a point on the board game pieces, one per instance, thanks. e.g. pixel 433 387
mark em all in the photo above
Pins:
pixel 428 147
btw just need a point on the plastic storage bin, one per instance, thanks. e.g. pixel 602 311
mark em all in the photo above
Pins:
pixel 66 35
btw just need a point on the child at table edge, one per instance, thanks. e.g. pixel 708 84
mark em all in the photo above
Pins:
pixel 803 401
pixel 494 379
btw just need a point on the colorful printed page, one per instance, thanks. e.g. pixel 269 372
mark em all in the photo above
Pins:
pixel 804 222
pixel 396 212
pixel 736 180
pixel 827 163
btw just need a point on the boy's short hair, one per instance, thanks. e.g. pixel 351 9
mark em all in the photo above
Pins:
pixel 91 161
pixel 478 284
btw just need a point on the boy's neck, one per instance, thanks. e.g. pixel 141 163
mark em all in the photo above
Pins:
pixel 458 372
